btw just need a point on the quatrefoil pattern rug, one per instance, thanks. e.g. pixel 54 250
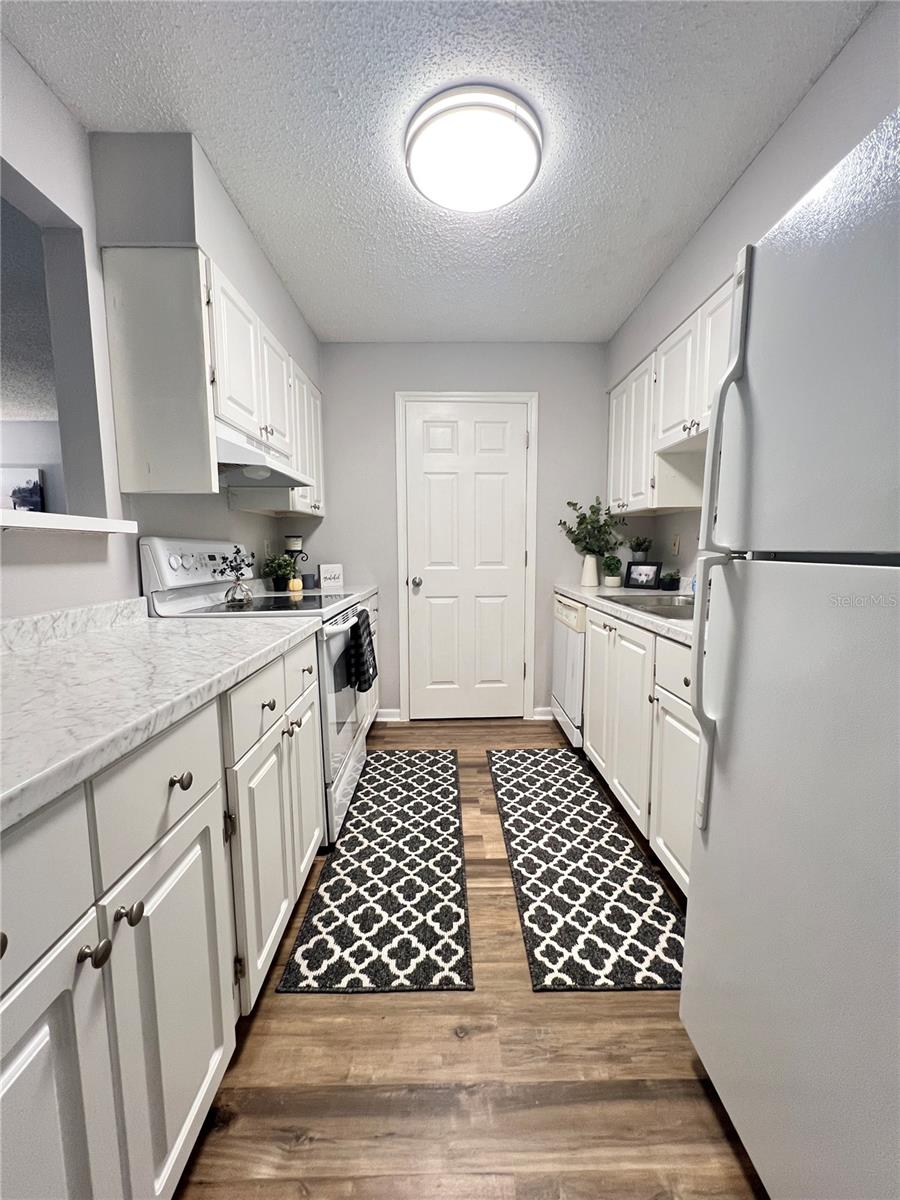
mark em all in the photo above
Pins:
pixel 593 910
pixel 389 913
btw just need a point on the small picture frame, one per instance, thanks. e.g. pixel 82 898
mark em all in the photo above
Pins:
pixel 331 577
pixel 643 575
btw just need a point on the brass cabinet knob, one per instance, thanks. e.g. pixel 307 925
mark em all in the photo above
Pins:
pixel 133 915
pixel 4 942
pixel 290 729
pixel 686 681
pixel 98 955
pixel 184 780
pixel 269 704
pixel 308 670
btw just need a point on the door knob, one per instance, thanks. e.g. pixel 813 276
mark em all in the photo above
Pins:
pixel 133 915
pixel 98 954
pixel 417 580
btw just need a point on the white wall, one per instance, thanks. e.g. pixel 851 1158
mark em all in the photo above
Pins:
pixel 360 530
pixel 858 89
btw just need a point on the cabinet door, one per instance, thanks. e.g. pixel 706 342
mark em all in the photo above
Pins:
pixel 618 428
pixel 317 448
pixel 597 679
pixel 236 357
pixel 676 750
pixel 171 977
pixel 299 401
pixel 262 857
pixel 307 789
pixel 639 448
pixel 59 1134
pixel 632 705
pixel 676 383
pixel 276 392
pixel 715 335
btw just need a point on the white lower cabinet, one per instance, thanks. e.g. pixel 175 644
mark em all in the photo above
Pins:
pixel 597 694
pixel 59 1132
pixel 632 721
pixel 676 750
pixel 171 976
pixel 642 738
pixel 262 857
pixel 306 789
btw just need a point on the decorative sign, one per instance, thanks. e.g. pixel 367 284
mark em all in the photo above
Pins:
pixel 331 577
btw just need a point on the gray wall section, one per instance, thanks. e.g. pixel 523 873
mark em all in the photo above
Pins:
pixel 360 530
pixel 26 357
pixel 859 89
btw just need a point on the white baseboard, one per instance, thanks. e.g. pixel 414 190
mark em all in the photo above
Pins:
pixel 542 714
pixel 389 714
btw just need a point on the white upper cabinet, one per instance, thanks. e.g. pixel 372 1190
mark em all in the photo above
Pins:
pixel 171 973
pixel 676 384
pixel 236 390
pixel 640 421
pixel 317 449
pixel 276 424
pixel 715 336
pixel 57 1112
pixel 618 404
pixel 630 424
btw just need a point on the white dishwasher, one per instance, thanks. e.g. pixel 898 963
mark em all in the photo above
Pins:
pixel 568 665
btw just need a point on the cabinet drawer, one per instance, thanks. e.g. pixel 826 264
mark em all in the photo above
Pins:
pixel 47 884
pixel 136 802
pixel 673 667
pixel 252 708
pixel 300 669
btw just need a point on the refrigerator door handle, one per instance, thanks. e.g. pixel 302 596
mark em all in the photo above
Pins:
pixel 707 723
pixel 735 371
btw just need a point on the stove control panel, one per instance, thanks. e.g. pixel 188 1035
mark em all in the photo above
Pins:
pixel 169 563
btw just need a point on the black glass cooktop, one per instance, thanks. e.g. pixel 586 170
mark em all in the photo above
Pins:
pixel 287 602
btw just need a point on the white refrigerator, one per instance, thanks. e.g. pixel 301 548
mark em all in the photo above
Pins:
pixel 791 991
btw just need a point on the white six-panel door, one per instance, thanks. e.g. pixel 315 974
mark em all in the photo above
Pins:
pixel 466 540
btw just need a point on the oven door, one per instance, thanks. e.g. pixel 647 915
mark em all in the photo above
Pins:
pixel 340 699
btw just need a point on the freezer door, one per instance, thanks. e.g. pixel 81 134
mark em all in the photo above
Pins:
pixel 790 991
pixel 810 433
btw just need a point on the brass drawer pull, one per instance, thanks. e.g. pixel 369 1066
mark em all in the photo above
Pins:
pixel 308 670
pixel 184 780
pixel 269 704
pixel 133 915
pixel 99 954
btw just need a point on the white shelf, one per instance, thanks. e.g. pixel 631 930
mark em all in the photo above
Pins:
pixel 18 518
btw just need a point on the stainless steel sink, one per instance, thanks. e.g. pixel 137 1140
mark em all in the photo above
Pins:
pixel 673 608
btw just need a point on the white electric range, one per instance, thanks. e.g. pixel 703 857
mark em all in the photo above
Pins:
pixel 179 580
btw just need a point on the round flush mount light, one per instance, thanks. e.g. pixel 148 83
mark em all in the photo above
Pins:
pixel 473 148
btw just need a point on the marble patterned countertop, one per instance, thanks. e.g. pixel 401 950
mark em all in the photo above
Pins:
pixel 83 687
pixel 604 600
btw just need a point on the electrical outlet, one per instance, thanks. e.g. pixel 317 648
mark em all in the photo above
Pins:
pixel 676 544
pixel 267 548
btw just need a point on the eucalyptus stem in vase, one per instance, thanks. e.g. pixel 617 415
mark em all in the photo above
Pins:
pixel 238 595
pixel 593 534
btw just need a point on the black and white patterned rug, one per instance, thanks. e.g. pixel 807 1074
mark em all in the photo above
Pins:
pixel 593 909
pixel 389 913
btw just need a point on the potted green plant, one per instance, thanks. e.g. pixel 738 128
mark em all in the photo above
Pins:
pixel 593 534
pixel 280 569
pixel 640 548
pixel 612 571
pixel 671 581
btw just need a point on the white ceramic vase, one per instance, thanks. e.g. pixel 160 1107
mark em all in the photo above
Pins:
pixel 589 575
pixel 612 580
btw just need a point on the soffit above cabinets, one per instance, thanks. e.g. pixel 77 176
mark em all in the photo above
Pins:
pixel 649 111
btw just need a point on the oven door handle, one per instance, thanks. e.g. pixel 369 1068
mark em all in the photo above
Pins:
pixel 342 628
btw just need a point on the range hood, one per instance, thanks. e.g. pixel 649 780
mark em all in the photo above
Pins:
pixel 244 463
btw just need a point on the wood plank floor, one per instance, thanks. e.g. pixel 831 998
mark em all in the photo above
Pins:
pixel 496 1094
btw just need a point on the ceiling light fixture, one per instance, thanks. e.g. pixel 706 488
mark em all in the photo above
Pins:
pixel 473 148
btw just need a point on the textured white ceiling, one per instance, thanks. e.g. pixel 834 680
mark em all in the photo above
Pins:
pixel 650 112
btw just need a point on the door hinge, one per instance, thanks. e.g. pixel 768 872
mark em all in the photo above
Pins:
pixel 654 377
pixel 229 822
pixel 212 374
pixel 208 294
pixel 525 670
pixel 527 438
pixel 526 558
pixel 653 481
pixel 240 969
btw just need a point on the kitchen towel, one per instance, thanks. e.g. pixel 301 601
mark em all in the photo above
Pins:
pixel 363 667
